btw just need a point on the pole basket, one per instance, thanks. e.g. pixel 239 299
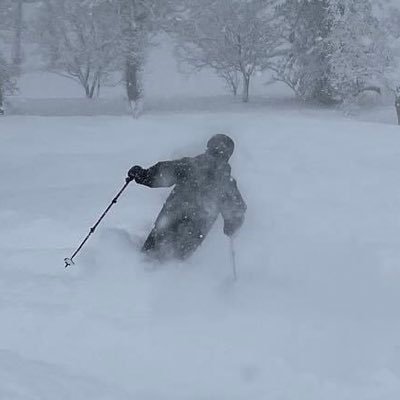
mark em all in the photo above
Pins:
pixel 68 262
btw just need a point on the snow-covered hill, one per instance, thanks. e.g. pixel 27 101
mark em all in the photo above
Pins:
pixel 314 314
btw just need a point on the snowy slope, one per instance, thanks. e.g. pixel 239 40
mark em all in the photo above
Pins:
pixel 313 316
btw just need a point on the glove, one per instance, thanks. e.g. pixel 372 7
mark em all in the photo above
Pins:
pixel 230 228
pixel 232 225
pixel 137 174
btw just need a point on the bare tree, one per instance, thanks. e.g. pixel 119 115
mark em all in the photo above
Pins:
pixel 78 39
pixel 90 40
pixel 229 36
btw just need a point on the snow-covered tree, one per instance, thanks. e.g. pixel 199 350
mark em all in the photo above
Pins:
pixel 337 49
pixel 133 24
pixel 16 25
pixel 358 53
pixel 390 19
pixel 230 36
pixel 7 72
pixel 18 28
pixel 138 20
pixel 78 39
pixel 305 66
pixel 7 83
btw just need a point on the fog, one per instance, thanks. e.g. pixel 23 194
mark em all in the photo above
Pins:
pixel 199 199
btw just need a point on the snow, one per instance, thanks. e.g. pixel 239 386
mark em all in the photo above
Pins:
pixel 23 379
pixel 313 315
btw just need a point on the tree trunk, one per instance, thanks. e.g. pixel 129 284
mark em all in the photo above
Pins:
pixel 233 82
pixel 133 87
pixel 246 87
pixel 98 88
pixel 87 90
pixel 90 88
pixel 397 105
pixel 17 49
pixel 1 100
pixel 93 88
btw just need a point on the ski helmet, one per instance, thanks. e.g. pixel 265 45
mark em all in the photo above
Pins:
pixel 221 146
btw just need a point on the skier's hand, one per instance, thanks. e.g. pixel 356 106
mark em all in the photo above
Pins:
pixel 232 225
pixel 136 173
pixel 230 228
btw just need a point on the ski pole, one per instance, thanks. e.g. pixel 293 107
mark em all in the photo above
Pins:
pixel 233 258
pixel 70 261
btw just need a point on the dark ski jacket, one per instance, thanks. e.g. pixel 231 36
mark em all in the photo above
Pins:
pixel 204 188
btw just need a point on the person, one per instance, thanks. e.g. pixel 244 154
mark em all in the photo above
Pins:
pixel 204 188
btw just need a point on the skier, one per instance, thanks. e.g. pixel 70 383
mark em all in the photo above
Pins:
pixel 204 188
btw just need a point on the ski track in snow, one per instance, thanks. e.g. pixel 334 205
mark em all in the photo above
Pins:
pixel 314 314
